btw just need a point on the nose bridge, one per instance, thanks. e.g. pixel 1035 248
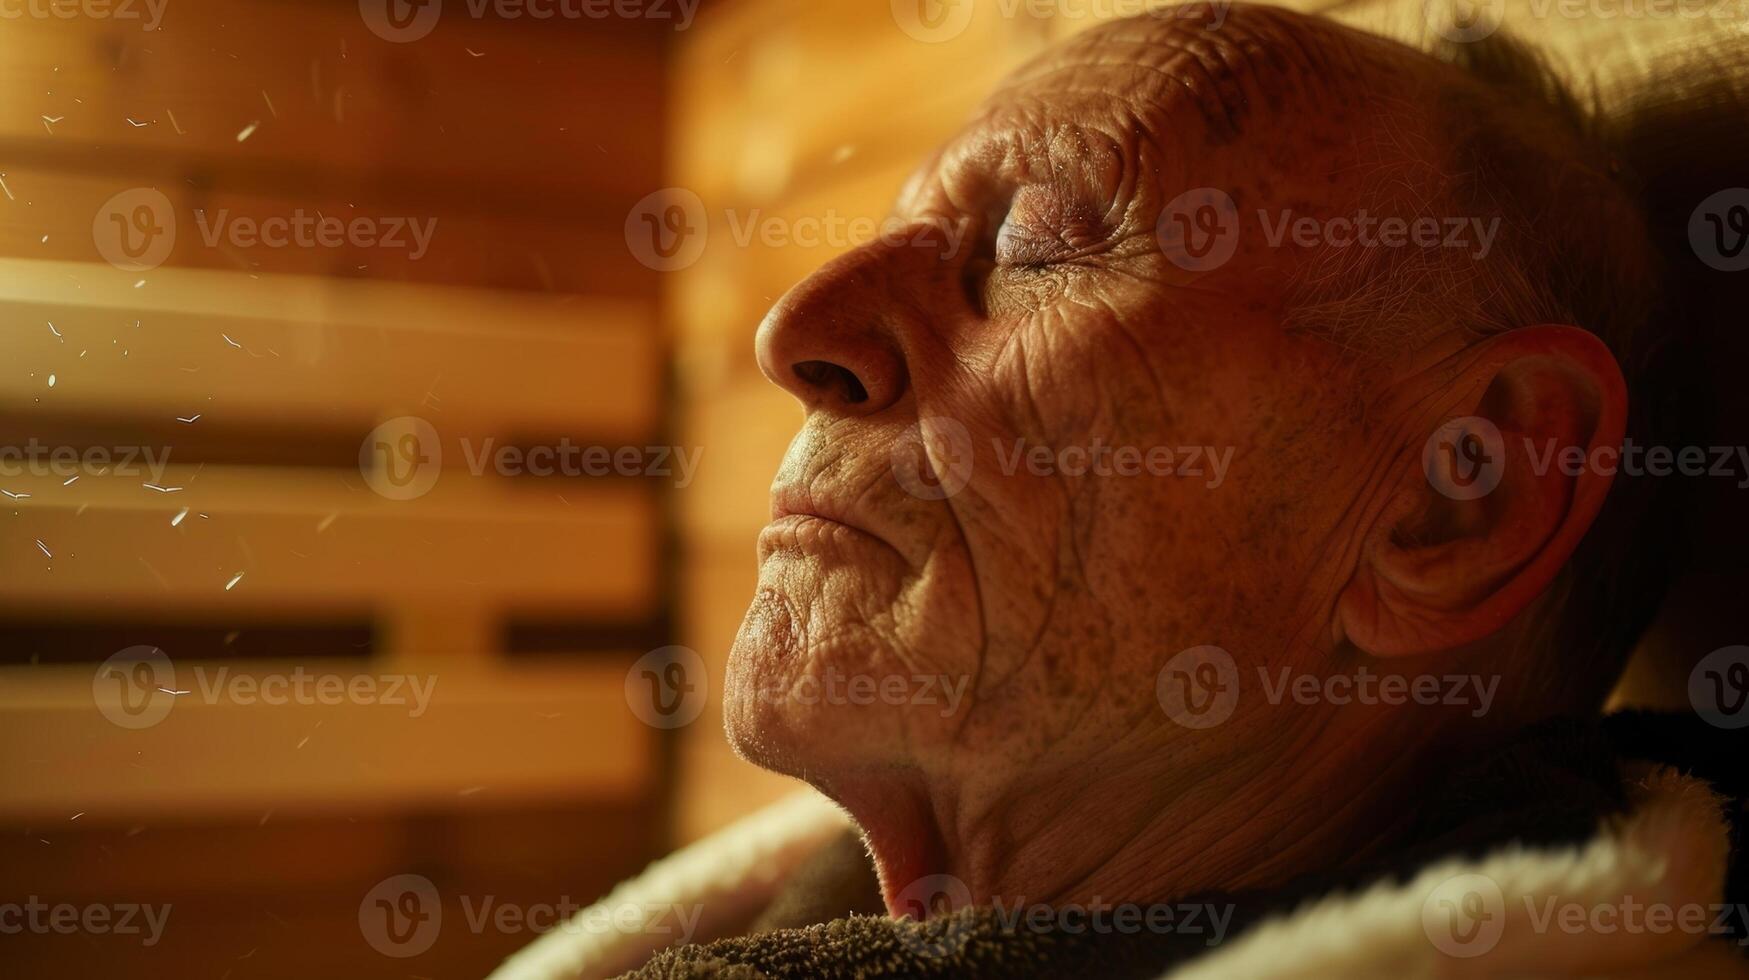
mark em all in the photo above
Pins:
pixel 837 340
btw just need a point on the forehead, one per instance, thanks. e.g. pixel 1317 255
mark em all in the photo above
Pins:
pixel 1184 82
pixel 1170 64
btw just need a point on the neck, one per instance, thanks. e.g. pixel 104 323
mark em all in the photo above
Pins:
pixel 1139 827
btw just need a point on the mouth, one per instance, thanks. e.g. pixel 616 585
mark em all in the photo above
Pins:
pixel 809 522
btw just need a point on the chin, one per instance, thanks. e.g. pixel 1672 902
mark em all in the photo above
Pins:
pixel 780 710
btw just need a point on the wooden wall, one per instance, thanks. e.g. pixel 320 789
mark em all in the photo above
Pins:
pixel 538 312
pixel 262 547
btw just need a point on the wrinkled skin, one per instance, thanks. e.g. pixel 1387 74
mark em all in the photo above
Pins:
pixel 1057 598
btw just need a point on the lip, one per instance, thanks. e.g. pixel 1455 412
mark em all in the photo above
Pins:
pixel 794 507
pixel 793 501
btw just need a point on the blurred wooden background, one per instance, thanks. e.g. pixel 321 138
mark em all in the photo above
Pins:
pixel 539 313
pixel 260 371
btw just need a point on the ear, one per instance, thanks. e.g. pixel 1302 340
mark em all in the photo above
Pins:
pixel 1502 479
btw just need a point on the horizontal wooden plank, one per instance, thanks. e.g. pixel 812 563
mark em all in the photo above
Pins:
pixel 304 878
pixel 173 344
pixel 60 214
pixel 287 96
pixel 322 540
pixel 473 736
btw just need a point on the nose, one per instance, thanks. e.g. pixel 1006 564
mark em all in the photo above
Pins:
pixel 834 340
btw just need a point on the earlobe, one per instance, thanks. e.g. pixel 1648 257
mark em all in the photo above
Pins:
pixel 1487 506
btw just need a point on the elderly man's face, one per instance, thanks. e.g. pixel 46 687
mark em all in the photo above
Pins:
pixel 1155 463
pixel 1140 437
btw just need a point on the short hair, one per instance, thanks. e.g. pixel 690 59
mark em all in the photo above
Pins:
pixel 1594 204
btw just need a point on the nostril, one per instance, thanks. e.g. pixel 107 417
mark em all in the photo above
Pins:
pixel 826 375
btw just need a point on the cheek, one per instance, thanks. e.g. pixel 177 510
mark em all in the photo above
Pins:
pixel 1109 506
pixel 1062 424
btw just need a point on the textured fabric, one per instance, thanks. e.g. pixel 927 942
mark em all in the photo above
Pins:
pixel 727 879
pixel 1525 809
pixel 836 882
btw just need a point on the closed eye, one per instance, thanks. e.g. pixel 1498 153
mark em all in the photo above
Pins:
pixel 1041 229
